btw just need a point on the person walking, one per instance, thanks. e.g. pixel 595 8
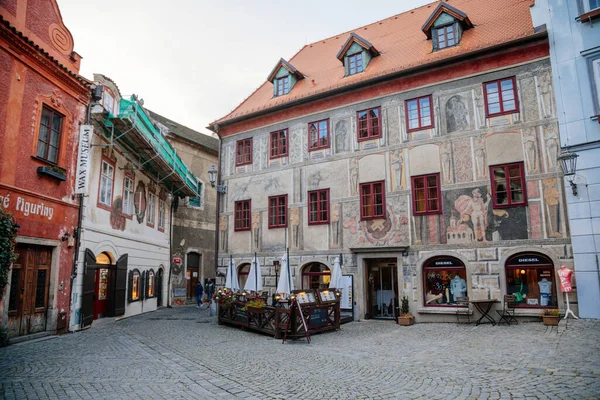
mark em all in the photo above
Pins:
pixel 210 289
pixel 199 291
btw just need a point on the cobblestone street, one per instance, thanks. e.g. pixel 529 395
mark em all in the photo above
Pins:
pixel 183 354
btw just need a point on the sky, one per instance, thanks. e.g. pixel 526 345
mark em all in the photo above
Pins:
pixel 193 61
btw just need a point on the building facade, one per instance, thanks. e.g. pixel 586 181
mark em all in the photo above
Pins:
pixel 575 55
pixel 124 261
pixel 428 162
pixel 194 222
pixel 42 104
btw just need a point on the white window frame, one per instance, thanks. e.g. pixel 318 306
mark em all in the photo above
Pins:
pixel 587 6
pixel 106 184
pixel 108 102
pixel 596 78
pixel 128 195
pixel 151 208
pixel 161 214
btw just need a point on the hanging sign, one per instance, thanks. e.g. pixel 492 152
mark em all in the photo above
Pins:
pixel 83 159
pixel 177 261
pixel 346 298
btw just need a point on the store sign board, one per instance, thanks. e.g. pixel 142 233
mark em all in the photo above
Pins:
pixel 177 261
pixel 528 259
pixel 445 262
pixel 28 207
pixel 346 298
pixel 83 159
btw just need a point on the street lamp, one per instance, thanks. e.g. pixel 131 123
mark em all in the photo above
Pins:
pixel 212 177
pixel 568 164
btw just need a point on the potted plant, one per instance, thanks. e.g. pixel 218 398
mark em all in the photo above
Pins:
pixel 405 318
pixel 255 305
pixel 53 171
pixel 550 316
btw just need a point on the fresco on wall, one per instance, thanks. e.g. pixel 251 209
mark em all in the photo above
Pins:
pixel 446 162
pixel 393 230
pixel 481 167
pixel 117 218
pixel 139 202
pixel 457 114
pixel 428 229
pixel 354 176
pixel 295 234
pixel 546 96
pixel 532 154
pixel 335 241
pixel 393 125
pixel 463 161
pixel 295 146
pixel 552 146
pixel 223 232
pixel 470 216
pixel 397 161
pixel 256 224
pixel 341 136
pixel 244 188
pixel 552 207
pixel 479 108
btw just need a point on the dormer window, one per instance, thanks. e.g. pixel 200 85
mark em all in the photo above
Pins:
pixel 445 26
pixel 283 77
pixel 356 54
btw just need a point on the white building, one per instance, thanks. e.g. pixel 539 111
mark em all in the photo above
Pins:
pixel 124 256
pixel 575 55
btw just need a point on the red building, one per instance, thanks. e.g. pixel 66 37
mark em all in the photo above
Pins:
pixel 42 104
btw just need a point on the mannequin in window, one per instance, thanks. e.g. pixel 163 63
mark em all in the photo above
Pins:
pixel 458 288
pixel 545 290
pixel 519 289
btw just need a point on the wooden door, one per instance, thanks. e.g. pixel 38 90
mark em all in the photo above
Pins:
pixel 120 286
pixel 28 297
pixel 158 290
pixel 88 291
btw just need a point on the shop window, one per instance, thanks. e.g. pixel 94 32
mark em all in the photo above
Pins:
pixel 128 196
pixel 355 63
pixel 242 215
pixel 243 152
pixel 318 135
pixel 444 281
pixel 278 211
pixel 369 124
pixel 107 179
pixel 318 204
pixel 426 194
pixel 501 97
pixel 279 144
pixel 531 278
pixel 372 200
pixel 134 285
pixel 150 284
pixel 13 296
pixel 508 185
pixel 315 276
pixel 151 209
pixel 49 136
pixel 243 272
pixel 419 114
pixel 161 215
pixel 41 286
pixel 282 86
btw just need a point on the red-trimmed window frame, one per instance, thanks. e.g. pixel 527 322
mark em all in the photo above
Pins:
pixel 371 133
pixel 282 86
pixel 129 175
pixel 371 195
pixel 356 57
pixel 427 197
pixel 242 215
pixel 151 216
pixel 277 209
pixel 243 152
pixel 110 162
pixel 279 144
pixel 52 115
pixel 445 32
pixel 322 206
pixel 498 83
pixel 522 181
pixel 419 113
pixel 318 124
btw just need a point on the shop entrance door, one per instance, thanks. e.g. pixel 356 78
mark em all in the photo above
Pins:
pixel 28 298
pixel 382 288
pixel 192 274
pixel 101 291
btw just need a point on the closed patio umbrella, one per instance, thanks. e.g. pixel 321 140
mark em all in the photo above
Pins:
pixel 231 282
pixel 254 281
pixel 286 284
pixel 336 275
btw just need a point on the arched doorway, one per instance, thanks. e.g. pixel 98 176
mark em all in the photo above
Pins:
pixel 159 287
pixel 102 284
pixel 531 278
pixel 315 276
pixel 243 271
pixel 444 281
pixel 192 274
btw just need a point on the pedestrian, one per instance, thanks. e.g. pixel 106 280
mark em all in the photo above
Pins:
pixel 210 289
pixel 199 291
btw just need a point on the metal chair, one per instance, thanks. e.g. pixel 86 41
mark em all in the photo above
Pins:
pixel 464 308
pixel 507 314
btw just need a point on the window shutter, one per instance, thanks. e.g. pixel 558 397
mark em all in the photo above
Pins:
pixel 129 286
pixel 143 292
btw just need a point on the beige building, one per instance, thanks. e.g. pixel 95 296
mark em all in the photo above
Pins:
pixel 423 148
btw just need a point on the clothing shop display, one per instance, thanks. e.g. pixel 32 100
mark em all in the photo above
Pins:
pixel 545 291
pixel 458 288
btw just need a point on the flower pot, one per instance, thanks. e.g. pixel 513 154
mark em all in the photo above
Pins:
pixel 254 309
pixel 53 172
pixel 550 319
pixel 406 320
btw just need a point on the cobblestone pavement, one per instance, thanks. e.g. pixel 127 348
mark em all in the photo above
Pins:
pixel 183 354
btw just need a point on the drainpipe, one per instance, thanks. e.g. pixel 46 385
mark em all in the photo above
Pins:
pixel 170 252
pixel 217 231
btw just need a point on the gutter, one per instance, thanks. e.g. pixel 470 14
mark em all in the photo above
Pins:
pixel 536 37
pixel 217 229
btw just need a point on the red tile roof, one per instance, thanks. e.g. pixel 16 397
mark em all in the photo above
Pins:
pixel 402 45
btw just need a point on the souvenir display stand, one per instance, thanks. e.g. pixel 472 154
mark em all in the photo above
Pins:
pixel 310 312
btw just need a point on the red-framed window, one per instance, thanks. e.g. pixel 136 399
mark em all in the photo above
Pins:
pixel 318 207
pixel 372 200
pixel 508 185
pixel 419 113
pixel 318 135
pixel 369 124
pixel 355 63
pixel 279 143
pixel 49 136
pixel 278 211
pixel 242 215
pixel 446 36
pixel 501 97
pixel 243 152
pixel 282 86
pixel 426 194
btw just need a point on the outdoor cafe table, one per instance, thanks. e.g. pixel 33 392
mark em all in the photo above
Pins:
pixel 484 307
